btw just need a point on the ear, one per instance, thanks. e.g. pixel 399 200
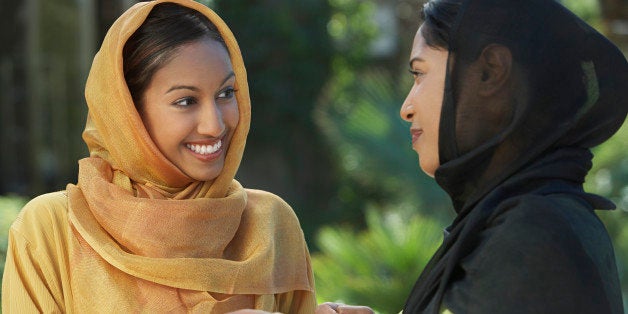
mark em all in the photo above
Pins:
pixel 495 62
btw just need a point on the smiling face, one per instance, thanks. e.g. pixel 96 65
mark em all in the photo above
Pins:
pixel 423 104
pixel 190 110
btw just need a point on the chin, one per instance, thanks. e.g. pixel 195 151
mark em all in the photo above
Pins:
pixel 205 172
pixel 429 169
pixel 429 174
pixel 206 175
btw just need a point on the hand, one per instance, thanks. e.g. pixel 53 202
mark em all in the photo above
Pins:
pixel 333 308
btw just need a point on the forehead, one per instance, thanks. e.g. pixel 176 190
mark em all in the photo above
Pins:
pixel 202 55
pixel 419 40
pixel 199 50
pixel 421 51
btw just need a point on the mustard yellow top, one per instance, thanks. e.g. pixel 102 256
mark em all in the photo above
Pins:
pixel 136 234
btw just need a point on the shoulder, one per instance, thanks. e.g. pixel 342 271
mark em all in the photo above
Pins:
pixel 265 197
pixel 554 220
pixel 270 214
pixel 538 254
pixel 552 231
pixel 44 215
pixel 269 205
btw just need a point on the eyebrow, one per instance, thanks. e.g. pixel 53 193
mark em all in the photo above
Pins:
pixel 417 59
pixel 196 89
pixel 176 87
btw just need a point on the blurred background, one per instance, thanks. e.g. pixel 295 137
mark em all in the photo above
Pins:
pixel 327 79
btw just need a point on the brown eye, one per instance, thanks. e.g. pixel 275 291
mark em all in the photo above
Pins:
pixel 185 102
pixel 415 73
pixel 228 93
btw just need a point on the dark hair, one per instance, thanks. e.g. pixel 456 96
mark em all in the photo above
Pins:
pixel 167 27
pixel 438 18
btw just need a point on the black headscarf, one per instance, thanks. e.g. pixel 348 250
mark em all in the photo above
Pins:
pixel 576 98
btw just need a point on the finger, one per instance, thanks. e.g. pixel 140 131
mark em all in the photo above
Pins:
pixel 325 308
pixel 333 305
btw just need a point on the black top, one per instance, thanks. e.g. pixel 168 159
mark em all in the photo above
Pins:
pixel 525 239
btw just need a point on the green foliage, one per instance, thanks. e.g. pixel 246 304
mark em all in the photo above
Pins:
pixel 378 266
pixel 207 3
pixel 9 208
pixel 358 112
pixel 352 29
pixel 588 10
pixel 360 117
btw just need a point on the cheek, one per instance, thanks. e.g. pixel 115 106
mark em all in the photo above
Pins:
pixel 165 129
pixel 431 123
pixel 434 119
pixel 430 110
pixel 150 119
pixel 231 115
pixel 435 113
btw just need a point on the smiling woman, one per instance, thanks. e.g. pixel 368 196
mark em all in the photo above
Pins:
pixel 156 222
pixel 189 115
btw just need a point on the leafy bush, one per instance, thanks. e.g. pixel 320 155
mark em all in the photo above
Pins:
pixel 359 115
pixel 9 208
pixel 378 266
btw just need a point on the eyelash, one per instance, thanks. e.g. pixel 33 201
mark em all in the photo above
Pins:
pixel 190 100
pixel 227 93
pixel 415 74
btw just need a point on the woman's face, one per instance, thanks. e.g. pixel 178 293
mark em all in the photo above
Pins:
pixel 190 110
pixel 424 101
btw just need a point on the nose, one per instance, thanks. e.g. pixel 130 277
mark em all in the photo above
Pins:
pixel 210 121
pixel 407 108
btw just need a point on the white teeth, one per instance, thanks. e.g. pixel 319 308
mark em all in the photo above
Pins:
pixel 205 149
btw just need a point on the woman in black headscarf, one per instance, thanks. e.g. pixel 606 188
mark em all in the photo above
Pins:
pixel 509 98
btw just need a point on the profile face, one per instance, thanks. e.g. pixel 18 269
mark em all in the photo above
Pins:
pixel 190 110
pixel 422 106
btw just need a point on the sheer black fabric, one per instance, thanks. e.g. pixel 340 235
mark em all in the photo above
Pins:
pixel 525 239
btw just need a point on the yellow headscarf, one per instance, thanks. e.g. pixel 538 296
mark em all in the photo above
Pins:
pixel 144 217
pixel 115 132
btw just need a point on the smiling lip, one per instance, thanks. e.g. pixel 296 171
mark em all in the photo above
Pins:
pixel 416 133
pixel 206 151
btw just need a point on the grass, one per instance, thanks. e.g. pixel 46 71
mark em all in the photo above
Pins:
pixel 9 208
